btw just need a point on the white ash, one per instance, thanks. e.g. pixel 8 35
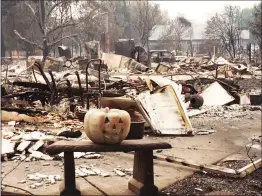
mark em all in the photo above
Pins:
pixel 227 112
pixel 87 155
pixel 39 179
pixel 119 172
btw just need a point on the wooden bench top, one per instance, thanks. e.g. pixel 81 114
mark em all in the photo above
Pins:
pixel 88 146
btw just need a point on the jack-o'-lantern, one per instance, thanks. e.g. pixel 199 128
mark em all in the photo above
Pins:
pixel 107 126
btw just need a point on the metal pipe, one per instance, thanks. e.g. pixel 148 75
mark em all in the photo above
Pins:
pixel 54 89
pixel 80 87
pixel 99 79
pixel 38 65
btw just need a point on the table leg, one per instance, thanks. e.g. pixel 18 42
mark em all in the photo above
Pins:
pixel 68 188
pixel 142 182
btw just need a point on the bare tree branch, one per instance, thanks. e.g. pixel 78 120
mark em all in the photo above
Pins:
pixel 59 40
pixel 177 29
pixel 52 8
pixel 226 27
pixel 60 27
pixel 255 25
pixel 35 16
pixel 32 10
pixel 100 5
pixel 28 41
pixel 145 16
pixel 89 15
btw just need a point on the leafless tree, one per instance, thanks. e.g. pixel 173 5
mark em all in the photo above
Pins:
pixel 208 47
pixel 145 16
pixel 178 29
pixel 119 21
pixel 93 16
pixel 227 28
pixel 255 25
pixel 6 12
pixel 45 14
pixel 93 21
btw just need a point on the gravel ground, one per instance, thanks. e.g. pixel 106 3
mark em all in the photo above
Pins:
pixel 213 184
pixel 207 184
pixel 235 164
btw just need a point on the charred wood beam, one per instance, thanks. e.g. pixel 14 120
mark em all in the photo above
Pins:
pixel 25 94
pixel 31 96
pixel 38 65
pixel 80 88
pixel 32 85
pixel 3 91
pixel 54 89
pixel 99 78
pixel 23 110
pixel 65 91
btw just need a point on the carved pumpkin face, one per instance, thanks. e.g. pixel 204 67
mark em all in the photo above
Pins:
pixel 107 126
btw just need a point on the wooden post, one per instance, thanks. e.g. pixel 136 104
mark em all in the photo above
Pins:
pixel 216 70
pixel 68 188
pixel 107 42
pixel 72 48
pixel 142 182
pixel 2 42
pixel 249 51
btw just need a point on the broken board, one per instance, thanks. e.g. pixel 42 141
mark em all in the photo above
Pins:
pixel 164 111
pixel 112 60
pixel 216 95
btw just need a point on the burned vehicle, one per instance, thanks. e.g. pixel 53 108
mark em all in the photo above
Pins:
pixel 162 56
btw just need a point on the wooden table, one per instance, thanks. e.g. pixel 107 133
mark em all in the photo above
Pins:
pixel 142 182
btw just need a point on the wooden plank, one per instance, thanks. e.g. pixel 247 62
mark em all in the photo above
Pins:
pixel 212 168
pixel 23 145
pixel 208 168
pixel 88 146
pixel 248 169
pixel 149 84
pixel 181 109
pixel 36 146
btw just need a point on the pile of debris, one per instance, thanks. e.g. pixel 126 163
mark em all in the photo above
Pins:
pixel 30 145
pixel 33 94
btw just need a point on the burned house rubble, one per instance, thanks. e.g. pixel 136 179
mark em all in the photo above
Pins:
pixel 46 103
pixel 130 98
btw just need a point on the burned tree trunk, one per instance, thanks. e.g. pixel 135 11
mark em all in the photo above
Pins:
pixel 42 21
pixel 45 51
pixel 2 42
pixel 233 48
pixel 249 51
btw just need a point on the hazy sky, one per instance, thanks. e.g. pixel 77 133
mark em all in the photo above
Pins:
pixel 199 12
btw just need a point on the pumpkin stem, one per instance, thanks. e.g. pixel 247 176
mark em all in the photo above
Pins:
pixel 107 109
